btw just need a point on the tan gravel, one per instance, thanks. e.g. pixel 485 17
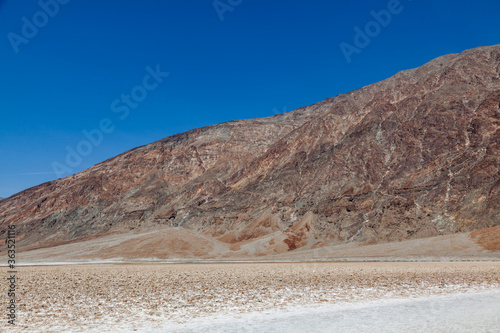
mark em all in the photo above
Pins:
pixel 129 296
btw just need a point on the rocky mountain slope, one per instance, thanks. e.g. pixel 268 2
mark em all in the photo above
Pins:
pixel 413 156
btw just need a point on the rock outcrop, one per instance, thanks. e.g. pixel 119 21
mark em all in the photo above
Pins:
pixel 413 156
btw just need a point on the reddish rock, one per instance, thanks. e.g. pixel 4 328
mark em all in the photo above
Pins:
pixel 413 156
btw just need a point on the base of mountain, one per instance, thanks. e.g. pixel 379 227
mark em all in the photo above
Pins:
pixel 180 244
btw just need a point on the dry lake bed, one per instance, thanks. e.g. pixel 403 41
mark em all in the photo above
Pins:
pixel 258 297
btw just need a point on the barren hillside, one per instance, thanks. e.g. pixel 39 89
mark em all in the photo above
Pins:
pixel 414 156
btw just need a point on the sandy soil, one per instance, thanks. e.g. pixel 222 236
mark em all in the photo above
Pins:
pixel 139 297
pixel 179 243
pixel 446 247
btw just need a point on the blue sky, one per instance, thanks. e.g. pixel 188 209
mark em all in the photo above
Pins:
pixel 69 68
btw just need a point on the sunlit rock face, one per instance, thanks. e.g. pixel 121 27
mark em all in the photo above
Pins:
pixel 413 156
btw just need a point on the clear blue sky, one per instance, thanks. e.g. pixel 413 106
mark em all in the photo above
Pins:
pixel 263 57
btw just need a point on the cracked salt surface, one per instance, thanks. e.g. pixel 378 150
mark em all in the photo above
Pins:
pixel 477 312
pixel 171 297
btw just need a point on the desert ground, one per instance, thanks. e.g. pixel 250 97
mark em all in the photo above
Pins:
pixel 216 296
pixel 174 244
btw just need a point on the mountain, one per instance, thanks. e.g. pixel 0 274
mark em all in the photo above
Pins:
pixel 416 155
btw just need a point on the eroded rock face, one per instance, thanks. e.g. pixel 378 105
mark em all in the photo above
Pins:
pixel 413 156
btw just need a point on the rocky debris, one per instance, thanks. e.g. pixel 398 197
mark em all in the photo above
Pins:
pixel 488 238
pixel 416 155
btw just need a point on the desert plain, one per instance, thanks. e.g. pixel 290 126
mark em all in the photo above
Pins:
pixel 179 297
